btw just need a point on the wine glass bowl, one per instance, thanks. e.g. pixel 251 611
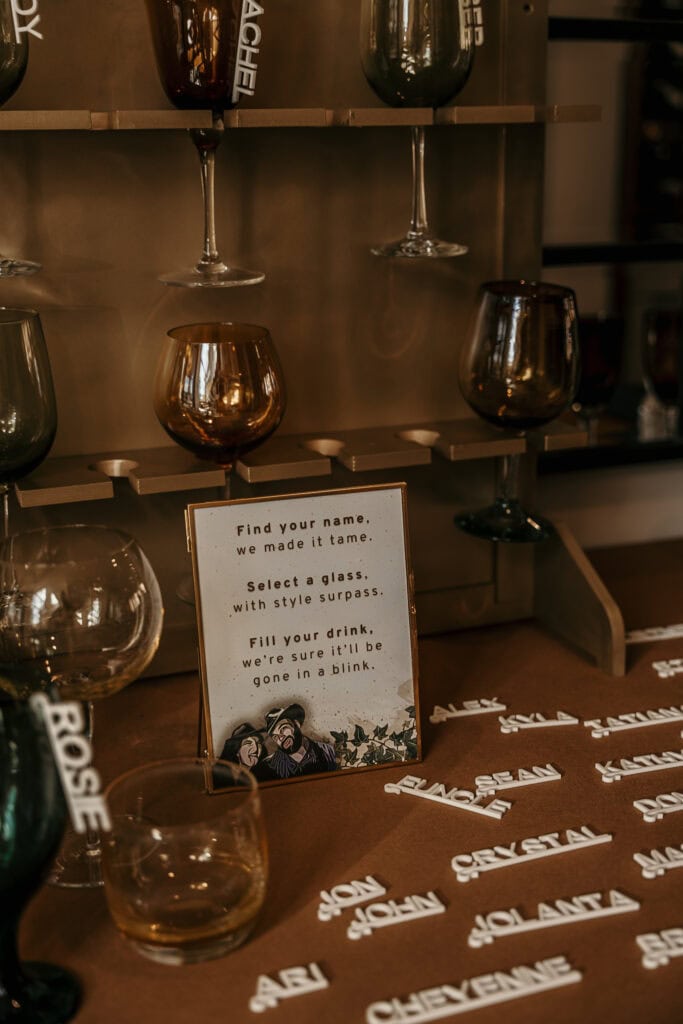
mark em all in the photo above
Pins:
pixel 662 351
pixel 518 371
pixel 219 389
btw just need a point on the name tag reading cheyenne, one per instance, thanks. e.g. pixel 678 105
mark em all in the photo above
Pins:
pixel 487 785
pixel 614 770
pixel 660 947
pixel 534 720
pixel 654 808
pixel 499 923
pixel 473 993
pixel 471 865
pixel 657 862
pixel 480 706
pixel 636 720
pixel 464 799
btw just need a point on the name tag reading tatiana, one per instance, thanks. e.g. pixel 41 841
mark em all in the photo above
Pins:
pixel 481 706
pixel 487 785
pixel 535 720
pixel 293 981
pixel 464 799
pixel 657 862
pixel 381 915
pixel 660 947
pixel 471 865
pixel 499 923
pixel 65 723
pixel 613 771
pixel 654 808
pixel 471 994
pixel 637 720
pixel 348 894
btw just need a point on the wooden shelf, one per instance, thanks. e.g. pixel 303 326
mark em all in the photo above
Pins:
pixel 305 117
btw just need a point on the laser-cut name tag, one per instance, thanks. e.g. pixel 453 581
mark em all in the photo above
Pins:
pixel 653 633
pixel 654 808
pixel 657 862
pixel 487 785
pixel 292 981
pixel 613 771
pixel 381 915
pixel 471 994
pixel 348 894
pixel 499 923
pixel 471 865
pixel 481 706
pixel 660 947
pixel 464 799
pixel 535 720
pixel 636 720
pixel 668 668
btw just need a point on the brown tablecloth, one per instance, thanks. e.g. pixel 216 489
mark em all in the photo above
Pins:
pixel 324 832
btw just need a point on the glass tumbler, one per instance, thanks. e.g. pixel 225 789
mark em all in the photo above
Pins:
pixel 185 864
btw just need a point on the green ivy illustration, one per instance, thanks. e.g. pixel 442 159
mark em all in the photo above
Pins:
pixel 361 748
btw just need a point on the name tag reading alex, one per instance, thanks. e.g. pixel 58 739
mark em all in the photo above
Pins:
pixel 657 862
pixel 613 771
pixel 471 865
pixel 487 785
pixel 464 799
pixel 636 720
pixel 481 706
pixel 534 720
pixel 660 947
pixel 654 808
pixel 381 915
pixel 499 923
pixel 473 993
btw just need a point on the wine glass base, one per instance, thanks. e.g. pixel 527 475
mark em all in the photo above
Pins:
pixel 10 267
pixel 78 864
pixel 505 521
pixel 218 275
pixel 420 247
pixel 47 995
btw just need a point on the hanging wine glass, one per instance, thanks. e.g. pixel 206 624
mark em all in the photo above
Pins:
pixel 28 411
pixel 518 371
pixel 197 44
pixel 32 818
pixel 81 613
pixel 416 53
pixel 13 62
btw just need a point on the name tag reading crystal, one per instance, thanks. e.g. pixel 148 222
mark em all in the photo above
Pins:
pixel 499 923
pixel 464 799
pixel 487 785
pixel 481 706
pixel 660 947
pixel 657 862
pixel 636 720
pixel 473 993
pixel 471 865
pixel 381 915
pixel 534 720
pixel 293 981
pixel 654 808
pixel 613 771
pixel 668 668
pixel 348 894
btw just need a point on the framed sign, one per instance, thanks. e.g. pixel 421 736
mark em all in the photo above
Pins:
pixel 307 639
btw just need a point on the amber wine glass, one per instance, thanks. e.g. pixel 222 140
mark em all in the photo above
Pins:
pixel 416 53
pixel 518 371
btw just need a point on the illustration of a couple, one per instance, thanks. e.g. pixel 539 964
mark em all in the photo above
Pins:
pixel 279 750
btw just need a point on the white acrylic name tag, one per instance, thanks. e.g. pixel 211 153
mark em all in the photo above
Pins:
pixel 660 947
pixel 249 40
pixel 613 771
pixel 657 862
pixel 481 706
pixel 669 668
pixel 348 894
pixel 64 723
pixel 25 12
pixel 643 636
pixel 585 907
pixel 654 808
pixel 464 799
pixel 637 720
pixel 293 981
pixel 487 785
pixel 381 915
pixel 473 993
pixel 471 865
pixel 534 720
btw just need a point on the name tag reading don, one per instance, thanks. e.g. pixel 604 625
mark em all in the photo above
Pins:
pixel 480 706
pixel 615 770
pixel 535 720
pixel 471 865
pixel 654 808
pixel 463 799
pixel 636 720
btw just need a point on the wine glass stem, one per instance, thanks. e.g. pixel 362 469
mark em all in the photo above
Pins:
pixel 10 971
pixel 418 218
pixel 92 838
pixel 207 142
pixel 508 478
pixel 4 489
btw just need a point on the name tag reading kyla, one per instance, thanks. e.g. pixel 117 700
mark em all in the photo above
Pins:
pixel 481 706
pixel 499 923
pixel 464 799
pixel 535 720
pixel 660 947
pixel 487 785
pixel 471 865
pixel 657 862
pixel 636 720
pixel 613 771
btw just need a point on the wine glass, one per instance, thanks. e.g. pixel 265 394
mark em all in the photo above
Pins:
pixel 13 62
pixel 662 351
pixel 32 818
pixel 518 371
pixel 28 411
pixel 416 53
pixel 81 614
pixel 197 44
pixel 601 341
